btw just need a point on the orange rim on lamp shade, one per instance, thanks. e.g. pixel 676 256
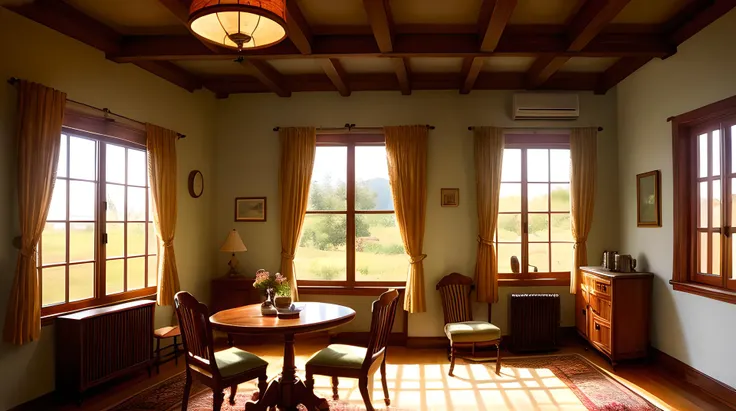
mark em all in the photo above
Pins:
pixel 239 24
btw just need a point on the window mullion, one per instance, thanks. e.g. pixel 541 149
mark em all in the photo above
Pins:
pixel 524 217
pixel 350 234
pixel 100 226
pixel 726 257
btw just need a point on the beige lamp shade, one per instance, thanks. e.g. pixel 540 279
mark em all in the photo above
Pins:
pixel 233 243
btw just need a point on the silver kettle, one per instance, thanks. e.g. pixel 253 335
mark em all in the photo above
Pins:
pixel 623 263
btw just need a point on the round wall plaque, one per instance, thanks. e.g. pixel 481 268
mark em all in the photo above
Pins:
pixel 196 183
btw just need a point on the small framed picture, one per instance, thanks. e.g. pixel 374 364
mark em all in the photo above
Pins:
pixel 649 209
pixel 250 209
pixel 450 197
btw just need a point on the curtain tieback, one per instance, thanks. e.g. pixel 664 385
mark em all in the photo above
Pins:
pixel 287 256
pixel 574 246
pixel 484 241
pixel 28 252
pixel 168 244
pixel 417 259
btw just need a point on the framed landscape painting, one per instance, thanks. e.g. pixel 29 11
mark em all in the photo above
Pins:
pixel 649 209
pixel 250 209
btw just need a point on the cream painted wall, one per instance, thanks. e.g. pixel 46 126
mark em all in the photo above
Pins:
pixel 247 153
pixel 688 327
pixel 50 58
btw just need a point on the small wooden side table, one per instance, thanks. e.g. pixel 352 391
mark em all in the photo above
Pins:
pixel 231 292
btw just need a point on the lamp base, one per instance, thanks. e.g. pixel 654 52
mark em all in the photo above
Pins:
pixel 233 264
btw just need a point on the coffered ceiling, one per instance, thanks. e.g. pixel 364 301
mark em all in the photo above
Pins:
pixel 402 45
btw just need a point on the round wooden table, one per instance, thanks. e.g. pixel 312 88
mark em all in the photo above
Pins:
pixel 288 390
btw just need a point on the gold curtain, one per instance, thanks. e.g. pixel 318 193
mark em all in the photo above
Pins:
pixel 161 147
pixel 488 144
pixel 40 114
pixel 406 151
pixel 298 146
pixel 583 153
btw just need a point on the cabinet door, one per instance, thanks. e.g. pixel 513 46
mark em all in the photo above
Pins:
pixel 600 333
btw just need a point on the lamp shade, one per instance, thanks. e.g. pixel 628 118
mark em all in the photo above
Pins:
pixel 239 24
pixel 233 243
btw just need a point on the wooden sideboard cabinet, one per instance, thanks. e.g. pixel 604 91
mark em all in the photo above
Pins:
pixel 613 311
pixel 230 292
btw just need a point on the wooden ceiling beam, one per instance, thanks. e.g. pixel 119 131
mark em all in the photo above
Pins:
pixel 471 69
pixel 588 23
pixel 173 73
pixel 696 17
pixel 619 71
pixel 381 21
pixel 337 75
pixel 494 16
pixel 298 28
pixel 403 74
pixel 181 11
pixel 266 74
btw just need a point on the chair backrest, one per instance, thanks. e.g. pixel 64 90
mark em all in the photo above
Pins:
pixel 196 332
pixel 384 312
pixel 455 292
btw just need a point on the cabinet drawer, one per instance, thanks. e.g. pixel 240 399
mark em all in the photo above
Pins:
pixel 600 333
pixel 600 287
pixel 600 307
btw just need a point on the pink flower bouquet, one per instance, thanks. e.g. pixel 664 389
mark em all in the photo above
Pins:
pixel 277 282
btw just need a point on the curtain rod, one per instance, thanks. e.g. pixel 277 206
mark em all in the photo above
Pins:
pixel 535 128
pixel 13 81
pixel 351 127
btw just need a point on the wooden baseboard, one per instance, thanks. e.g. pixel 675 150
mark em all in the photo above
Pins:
pixel 709 385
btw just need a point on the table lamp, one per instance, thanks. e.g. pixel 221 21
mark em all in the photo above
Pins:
pixel 233 244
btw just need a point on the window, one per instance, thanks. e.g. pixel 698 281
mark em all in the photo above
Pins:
pixel 350 236
pixel 533 226
pixel 705 185
pixel 98 245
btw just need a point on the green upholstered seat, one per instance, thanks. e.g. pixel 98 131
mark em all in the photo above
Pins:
pixel 472 331
pixel 235 361
pixel 339 356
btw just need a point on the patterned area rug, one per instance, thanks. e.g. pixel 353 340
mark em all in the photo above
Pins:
pixel 594 389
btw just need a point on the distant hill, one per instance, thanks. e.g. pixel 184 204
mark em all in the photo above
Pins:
pixel 382 188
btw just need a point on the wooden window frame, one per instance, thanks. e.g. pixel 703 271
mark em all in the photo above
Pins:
pixel 350 286
pixel 686 129
pixel 526 142
pixel 100 297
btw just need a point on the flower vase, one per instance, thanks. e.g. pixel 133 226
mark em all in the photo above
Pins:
pixel 267 307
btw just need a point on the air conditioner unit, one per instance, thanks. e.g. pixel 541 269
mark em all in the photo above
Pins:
pixel 545 106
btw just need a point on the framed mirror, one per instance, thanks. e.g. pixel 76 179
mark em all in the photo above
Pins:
pixel 196 183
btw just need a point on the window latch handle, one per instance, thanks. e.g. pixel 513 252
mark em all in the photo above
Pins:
pixel 104 238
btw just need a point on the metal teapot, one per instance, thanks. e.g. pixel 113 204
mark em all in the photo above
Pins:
pixel 623 263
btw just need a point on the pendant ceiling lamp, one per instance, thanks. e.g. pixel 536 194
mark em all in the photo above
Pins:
pixel 239 24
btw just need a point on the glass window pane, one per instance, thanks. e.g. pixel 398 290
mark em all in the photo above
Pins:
pixel 561 228
pixel 150 205
pixel 115 237
pixel 561 257
pixel 505 253
pixel 537 165
pixel 372 189
pixel 559 166
pixel 703 252
pixel 538 227
pixel 539 257
pixel 716 205
pixel 716 159
pixel 115 197
pixel 82 158
pixel 136 204
pixel 137 167
pixel 716 252
pixel 81 281
pixel 61 167
pixel 508 228
pixel 136 238
pixel 53 244
pixel 114 164
pixel 81 242
pixel 510 197
pixel 53 285
pixel 328 190
pixel 57 210
pixel 152 270
pixel 321 253
pixel 379 252
pixel 560 197
pixel 703 205
pixel 82 201
pixel 114 276
pixel 136 273
pixel 703 155
pixel 152 239
pixel 511 166
pixel 537 197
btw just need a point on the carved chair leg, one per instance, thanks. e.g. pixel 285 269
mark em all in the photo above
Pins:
pixel 262 385
pixel 218 397
pixel 385 384
pixel 158 354
pixel 309 381
pixel 233 391
pixel 187 388
pixel 452 360
pixel 498 359
pixel 335 383
pixel 365 393
pixel 176 352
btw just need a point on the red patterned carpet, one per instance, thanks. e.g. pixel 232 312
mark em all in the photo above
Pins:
pixel 587 386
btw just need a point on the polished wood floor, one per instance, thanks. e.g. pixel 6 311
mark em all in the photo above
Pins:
pixel 645 378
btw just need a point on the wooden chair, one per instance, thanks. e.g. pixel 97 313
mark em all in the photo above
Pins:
pixel 338 360
pixel 464 333
pixel 216 370
pixel 160 334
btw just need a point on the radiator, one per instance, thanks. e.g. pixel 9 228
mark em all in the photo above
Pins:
pixel 534 320
pixel 94 346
